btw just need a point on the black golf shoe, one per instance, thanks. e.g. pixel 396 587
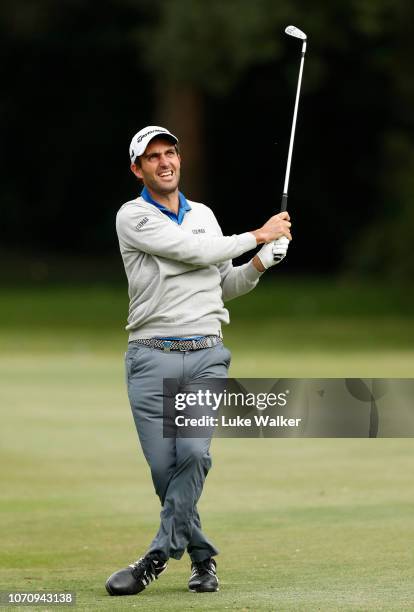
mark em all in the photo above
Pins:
pixel 136 577
pixel 203 577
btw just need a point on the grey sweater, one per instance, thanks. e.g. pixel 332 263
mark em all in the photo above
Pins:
pixel 179 275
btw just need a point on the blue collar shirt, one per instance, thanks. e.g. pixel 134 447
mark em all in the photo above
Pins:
pixel 182 208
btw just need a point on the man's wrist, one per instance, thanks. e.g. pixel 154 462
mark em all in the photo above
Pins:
pixel 258 234
pixel 256 261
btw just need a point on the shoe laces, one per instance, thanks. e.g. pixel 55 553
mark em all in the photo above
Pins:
pixel 199 568
pixel 146 569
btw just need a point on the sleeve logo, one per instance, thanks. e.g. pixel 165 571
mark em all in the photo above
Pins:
pixel 141 223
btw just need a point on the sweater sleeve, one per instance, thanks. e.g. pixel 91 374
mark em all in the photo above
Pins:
pixel 236 280
pixel 153 233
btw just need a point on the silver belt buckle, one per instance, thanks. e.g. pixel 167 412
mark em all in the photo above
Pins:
pixel 166 345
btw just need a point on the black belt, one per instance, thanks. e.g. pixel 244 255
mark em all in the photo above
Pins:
pixel 178 345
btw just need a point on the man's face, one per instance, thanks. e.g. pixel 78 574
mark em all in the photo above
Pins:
pixel 160 166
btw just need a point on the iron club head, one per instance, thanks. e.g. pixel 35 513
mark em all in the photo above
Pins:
pixel 294 31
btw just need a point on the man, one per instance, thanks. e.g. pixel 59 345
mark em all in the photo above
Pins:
pixel 179 271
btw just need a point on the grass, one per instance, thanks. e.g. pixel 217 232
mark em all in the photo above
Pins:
pixel 301 524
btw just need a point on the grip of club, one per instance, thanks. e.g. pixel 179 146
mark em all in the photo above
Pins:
pixel 283 205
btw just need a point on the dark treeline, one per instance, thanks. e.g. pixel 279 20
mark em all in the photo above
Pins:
pixel 79 79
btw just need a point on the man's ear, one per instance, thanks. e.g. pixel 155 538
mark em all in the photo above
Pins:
pixel 137 171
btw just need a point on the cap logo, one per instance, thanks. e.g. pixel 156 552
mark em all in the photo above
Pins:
pixel 139 138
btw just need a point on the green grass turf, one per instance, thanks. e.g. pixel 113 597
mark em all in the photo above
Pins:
pixel 301 524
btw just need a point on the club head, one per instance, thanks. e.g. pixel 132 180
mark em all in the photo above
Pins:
pixel 294 31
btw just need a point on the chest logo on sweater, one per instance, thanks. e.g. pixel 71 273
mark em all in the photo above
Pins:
pixel 142 223
pixel 200 230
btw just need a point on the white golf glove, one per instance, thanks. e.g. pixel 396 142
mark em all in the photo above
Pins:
pixel 272 253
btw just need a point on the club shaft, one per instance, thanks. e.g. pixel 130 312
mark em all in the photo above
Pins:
pixel 292 133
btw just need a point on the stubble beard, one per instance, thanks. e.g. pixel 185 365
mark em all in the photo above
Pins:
pixel 164 189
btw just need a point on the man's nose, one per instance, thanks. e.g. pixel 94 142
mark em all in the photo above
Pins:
pixel 163 160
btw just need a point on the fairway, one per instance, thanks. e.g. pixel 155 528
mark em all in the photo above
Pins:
pixel 281 176
pixel 301 524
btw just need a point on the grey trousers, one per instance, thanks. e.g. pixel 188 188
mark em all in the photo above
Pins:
pixel 179 466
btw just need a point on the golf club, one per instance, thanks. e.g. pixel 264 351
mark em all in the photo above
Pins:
pixel 280 245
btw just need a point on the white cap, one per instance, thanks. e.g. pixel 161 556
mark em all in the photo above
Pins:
pixel 141 139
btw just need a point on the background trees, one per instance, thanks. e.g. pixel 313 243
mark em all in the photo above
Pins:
pixel 78 81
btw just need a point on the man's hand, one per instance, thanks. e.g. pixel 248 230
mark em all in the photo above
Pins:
pixel 271 254
pixel 274 228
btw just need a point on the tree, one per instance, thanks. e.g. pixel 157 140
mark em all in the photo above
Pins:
pixel 193 48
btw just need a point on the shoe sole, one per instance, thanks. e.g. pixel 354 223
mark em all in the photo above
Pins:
pixel 115 594
pixel 204 590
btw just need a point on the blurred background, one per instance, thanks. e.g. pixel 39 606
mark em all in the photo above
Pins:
pixel 78 79
pixel 78 82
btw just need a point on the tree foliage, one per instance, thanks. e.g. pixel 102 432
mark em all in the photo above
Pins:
pixel 210 44
pixel 86 75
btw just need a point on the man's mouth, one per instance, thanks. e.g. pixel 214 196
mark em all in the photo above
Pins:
pixel 166 174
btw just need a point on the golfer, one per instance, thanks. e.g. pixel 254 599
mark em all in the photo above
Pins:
pixel 179 270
